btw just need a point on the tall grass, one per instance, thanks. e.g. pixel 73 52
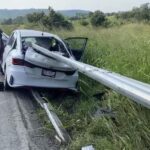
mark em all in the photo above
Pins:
pixel 125 50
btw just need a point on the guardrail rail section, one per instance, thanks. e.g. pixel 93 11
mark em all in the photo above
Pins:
pixel 133 89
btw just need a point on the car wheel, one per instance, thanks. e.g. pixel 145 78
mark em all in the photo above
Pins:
pixel 6 85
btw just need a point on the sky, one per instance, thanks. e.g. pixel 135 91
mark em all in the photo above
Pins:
pixel 92 5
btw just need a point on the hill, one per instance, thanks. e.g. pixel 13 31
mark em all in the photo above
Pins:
pixel 72 13
pixel 13 13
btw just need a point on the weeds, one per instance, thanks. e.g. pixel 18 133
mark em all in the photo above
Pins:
pixel 125 50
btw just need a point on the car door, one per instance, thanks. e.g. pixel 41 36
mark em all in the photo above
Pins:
pixel 76 46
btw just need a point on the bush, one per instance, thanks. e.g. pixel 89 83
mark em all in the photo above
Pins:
pixel 84 22
pixel 35 17
pixel 20 20
pixel 7 21
pixel 98 18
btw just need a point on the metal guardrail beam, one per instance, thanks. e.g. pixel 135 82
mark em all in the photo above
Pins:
pixel 57 124
pixel 133 89
pixel 61 131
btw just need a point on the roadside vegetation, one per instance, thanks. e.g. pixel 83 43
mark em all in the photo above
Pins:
pixel 125 50
pixel 116 44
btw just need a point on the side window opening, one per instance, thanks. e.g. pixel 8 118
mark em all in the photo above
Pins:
pixel 15 45
pixel 11 40
pixel 77 46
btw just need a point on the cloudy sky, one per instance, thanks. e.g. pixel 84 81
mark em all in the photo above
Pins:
pixel 103 5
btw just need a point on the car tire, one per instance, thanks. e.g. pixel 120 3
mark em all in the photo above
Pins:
pixel 5 84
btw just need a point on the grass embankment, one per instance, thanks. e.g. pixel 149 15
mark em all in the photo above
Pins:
pixel 125 50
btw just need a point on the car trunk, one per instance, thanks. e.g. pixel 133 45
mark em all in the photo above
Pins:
pixel 41 65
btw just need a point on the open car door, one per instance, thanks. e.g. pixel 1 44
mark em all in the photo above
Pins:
pixel 77 46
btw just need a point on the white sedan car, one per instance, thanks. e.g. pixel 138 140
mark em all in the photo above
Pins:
pixel 24 67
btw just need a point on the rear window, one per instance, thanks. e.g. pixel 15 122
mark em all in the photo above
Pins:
pixel 49 43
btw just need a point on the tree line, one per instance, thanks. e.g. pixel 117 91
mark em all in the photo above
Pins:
pixel 140 14
pixel 53 19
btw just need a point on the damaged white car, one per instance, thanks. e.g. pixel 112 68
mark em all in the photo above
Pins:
pixel 25 67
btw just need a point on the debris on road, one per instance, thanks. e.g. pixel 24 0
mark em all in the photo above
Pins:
pixel 57 124
pixel 88 148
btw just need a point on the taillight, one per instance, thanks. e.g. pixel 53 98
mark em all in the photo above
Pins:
pixel 21 62
pixel 17 61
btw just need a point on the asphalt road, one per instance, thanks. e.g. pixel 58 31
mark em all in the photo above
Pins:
pixel 20 128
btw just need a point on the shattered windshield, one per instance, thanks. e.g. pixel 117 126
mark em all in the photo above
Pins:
pixel 49 43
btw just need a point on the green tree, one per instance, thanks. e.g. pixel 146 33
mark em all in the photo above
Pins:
pixel 7 21
pixel 51 20
pixel 84 22
pixel 35 17
pixel 98 18
pixel 54 19
pixel 138 14
pixel 145 9
pixel 19 20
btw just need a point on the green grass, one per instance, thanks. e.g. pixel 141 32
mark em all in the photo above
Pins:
pixel 122 49
pixel 125 50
